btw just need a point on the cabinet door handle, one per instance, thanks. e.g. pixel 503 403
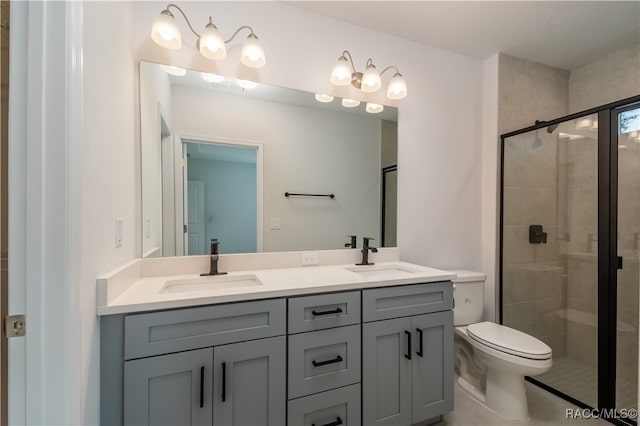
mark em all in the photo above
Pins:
pixel 329 361
pixel 201 387
pixel 420 352
pixel 335 311
pixel 408 354
pixel 224 381
pixel 336 423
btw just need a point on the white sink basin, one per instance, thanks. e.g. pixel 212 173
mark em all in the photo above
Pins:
pixel 381 271
pixel 209 283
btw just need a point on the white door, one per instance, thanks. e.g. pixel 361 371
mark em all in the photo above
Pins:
pixel 195 213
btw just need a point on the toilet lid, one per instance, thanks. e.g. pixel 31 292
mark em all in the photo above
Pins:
pixel 508 340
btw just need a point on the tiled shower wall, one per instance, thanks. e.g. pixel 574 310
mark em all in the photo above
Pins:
pixel 536 287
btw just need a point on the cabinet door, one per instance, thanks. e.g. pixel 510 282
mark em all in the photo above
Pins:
pixel 250 383
pixel 432 365
pixel 386 372
pixel 170 389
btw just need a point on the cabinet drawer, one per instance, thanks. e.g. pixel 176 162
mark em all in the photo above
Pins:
pixel 338 406
pixel 323 360
pixel 322 311
pixel 401 301
pixel 183 329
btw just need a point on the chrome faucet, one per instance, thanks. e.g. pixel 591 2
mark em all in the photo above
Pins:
pixel 365 251
pixel 213 259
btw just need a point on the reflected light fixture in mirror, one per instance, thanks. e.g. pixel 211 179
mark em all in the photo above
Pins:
pixel 321 97
pixel 350 103
pixel 374 108
pixel 209 43
pixel 344 73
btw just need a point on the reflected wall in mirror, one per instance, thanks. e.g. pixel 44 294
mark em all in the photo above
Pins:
pixel 217 160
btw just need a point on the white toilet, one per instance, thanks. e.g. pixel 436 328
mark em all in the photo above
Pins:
pixel 490 358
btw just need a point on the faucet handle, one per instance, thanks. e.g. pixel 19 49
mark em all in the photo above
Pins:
pixel 352 244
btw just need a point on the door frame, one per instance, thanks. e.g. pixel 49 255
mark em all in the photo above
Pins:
pixel 259 147
pixel 45 203
pixel 607 248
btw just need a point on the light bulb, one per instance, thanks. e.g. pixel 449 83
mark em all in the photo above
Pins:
pixel 165 31
pixel 374 108
pixel 211 43
pixel 177 71
pixel 350 103
pixel 371 81
pixel 211 78
pixel 252 54
pixel 246 84
pixel 397 87
pixel 321 97
pixel 341 73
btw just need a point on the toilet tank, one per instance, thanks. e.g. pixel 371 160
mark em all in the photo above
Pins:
pixel 468 295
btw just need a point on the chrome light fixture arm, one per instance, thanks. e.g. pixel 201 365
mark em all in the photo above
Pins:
pixel 369 80
pixel 183 15
pixel 252 34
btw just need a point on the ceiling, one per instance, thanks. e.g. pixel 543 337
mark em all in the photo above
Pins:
pixel 562 34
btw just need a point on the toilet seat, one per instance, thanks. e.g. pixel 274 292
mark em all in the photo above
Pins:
pixel 508 340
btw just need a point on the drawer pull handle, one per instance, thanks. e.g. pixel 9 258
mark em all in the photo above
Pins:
pixel 408 354
pixel 224 381
pixel 329 361
pixel 335 311
pixel 201 387
pixel 336 423
pixel 420 352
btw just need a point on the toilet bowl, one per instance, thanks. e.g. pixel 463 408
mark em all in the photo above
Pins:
pixel 492 359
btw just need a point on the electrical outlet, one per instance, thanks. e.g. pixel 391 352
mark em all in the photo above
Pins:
pixel 309 259
pixel 275 223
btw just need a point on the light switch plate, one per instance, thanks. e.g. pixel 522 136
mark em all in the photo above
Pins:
pixel 119 232
pixel 275 223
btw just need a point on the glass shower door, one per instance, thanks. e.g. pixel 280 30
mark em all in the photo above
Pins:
pixel 628 242
pixel 550 249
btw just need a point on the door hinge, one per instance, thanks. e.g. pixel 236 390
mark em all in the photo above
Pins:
pixel 14 326
pixel 184 228
pixel 619 262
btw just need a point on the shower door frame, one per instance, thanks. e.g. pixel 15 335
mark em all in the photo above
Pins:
pixel 608 261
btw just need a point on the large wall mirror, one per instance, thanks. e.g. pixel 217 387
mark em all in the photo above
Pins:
pixel 219 155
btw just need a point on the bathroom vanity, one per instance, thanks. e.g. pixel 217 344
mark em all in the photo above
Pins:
pixel 329 344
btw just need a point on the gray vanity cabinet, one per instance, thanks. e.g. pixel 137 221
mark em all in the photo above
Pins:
pixel 170 389
pixel 250 386
pixel 407 362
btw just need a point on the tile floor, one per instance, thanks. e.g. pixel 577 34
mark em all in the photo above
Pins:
pixel 580 381
pixel 544 408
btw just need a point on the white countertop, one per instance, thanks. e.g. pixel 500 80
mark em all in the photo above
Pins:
pixel 129 290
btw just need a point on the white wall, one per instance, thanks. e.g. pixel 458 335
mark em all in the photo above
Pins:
pixel 306 150
pixel 109 183
pixel 439 153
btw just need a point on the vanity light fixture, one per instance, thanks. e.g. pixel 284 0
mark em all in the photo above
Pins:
pixel 350 103
pixel 209 43
pixel 321 97
pixel 344 73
